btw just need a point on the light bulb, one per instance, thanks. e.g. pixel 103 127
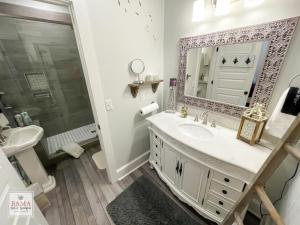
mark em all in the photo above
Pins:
pixel 252 3
pixel 222 7
pixel 198 10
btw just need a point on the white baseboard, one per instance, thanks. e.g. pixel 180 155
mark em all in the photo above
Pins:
pixel 133 165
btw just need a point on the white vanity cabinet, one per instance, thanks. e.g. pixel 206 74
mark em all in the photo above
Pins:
pixel 205 167
pixel 188 176
pixel 170 164
pixel 193 179
pixel 221 193
pixel 208 191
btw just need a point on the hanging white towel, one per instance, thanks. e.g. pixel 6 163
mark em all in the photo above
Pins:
pixel 279 122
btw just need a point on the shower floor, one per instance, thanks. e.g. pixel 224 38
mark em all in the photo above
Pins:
pixel 82 135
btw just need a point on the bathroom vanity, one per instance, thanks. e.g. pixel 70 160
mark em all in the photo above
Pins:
pixel 205 167
pixel 223 72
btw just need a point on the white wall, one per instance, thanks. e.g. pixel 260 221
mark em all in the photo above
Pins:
pixel 118 38
pixel 178 23
pixel 289 207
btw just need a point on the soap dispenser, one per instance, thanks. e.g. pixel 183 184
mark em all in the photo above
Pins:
pixel 26 118
pixel 184 111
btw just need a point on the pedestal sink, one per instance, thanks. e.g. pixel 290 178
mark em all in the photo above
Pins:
pixel 20 143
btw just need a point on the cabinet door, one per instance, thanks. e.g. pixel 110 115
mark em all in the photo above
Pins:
pixel 170 163
pixel 192 179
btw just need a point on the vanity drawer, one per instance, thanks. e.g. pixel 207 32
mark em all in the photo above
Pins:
pixel 228 181
pixel 224 191
pixel 219 201
pixel 156 146
pixel 156 138
pixel 217 211
pixel 156 162
pixel 155 154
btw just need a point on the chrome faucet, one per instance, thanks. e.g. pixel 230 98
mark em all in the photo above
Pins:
pixel 3 137
pixel 196 119
pixel 204 117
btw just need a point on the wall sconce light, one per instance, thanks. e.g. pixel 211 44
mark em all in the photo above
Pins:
pixel 198 10
pixel 222 7
pixel 204 8
pixel 252 3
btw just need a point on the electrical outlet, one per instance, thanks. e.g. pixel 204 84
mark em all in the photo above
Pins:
pixel 108 104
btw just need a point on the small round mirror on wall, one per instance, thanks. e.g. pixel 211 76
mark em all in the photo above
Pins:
pixel 137 66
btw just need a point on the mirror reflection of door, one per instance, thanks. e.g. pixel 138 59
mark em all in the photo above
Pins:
pixel 192 72
pixel 225 73
pixel 234 72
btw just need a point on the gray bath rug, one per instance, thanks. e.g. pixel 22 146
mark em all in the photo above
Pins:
pixel 143 203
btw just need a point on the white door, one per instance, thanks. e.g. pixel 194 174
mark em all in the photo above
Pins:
pixel 233 72
pixel 192 179
pixel 193 71
pixel 170 164
pixel 11 182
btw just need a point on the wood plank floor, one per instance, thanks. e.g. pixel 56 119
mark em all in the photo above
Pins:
pixel 83 192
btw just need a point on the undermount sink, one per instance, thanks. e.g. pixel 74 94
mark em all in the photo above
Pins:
pixel 21 139
pixel 195 131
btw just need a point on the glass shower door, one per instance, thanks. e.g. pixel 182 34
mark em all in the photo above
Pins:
pixel 41 73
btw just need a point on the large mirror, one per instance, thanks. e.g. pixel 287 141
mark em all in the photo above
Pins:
pixel 230 70
pixel 225 73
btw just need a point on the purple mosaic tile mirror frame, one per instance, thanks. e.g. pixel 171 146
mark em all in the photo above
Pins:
pixel 277 33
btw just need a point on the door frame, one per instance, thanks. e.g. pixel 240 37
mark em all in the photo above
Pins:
pixel 91 70
pixel 88 56
pixel 30 13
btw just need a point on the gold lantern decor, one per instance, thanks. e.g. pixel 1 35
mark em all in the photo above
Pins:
pixel 252 124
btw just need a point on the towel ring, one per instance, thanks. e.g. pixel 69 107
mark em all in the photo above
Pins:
pixel 294 77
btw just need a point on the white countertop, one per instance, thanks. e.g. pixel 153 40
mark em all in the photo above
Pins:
pixel 223 146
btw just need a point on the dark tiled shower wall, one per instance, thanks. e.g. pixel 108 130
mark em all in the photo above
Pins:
pixel 69 107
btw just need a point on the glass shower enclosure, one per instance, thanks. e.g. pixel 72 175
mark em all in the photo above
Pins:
pixel 41 73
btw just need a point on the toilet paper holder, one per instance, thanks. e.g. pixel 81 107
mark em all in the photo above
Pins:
pixel 152 108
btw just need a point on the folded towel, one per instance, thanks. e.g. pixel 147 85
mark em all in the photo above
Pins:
pixel 279 122
pixel 73 149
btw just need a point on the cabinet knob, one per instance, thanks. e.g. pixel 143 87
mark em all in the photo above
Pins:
pixel 218 212
pixel 221 203
pixel 155 136
pixel 226 180
pixel 156 154
pixel 180 169
pixel 156 163
pixel 156 146
pixel 224 192
pixel 177 167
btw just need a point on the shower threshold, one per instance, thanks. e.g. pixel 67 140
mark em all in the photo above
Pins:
pixel 82 136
